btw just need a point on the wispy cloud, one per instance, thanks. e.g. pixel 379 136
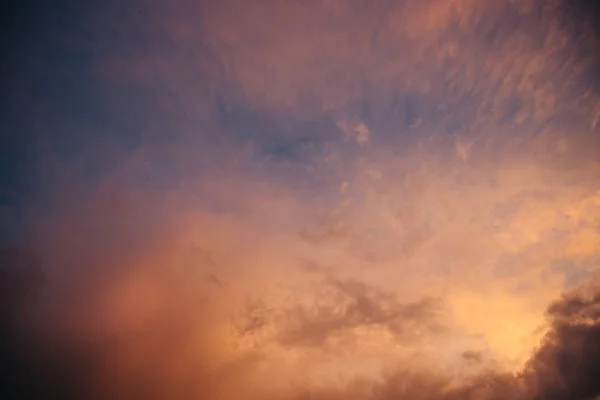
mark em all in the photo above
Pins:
pixel 315 200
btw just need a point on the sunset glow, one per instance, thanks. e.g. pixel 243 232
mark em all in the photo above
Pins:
pixel 311 200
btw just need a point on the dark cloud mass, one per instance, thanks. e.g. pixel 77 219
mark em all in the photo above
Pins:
pixel 300 200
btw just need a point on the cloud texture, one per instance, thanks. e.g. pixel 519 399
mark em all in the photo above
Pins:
pixel 309 200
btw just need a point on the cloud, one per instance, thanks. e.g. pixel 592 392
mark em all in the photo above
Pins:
pixel 179 350
pixel 239 247
pixel 360 309
pixel 567 362
pixel 318 58
pixel 358 131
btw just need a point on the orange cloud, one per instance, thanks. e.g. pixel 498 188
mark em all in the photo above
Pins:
pixel 258 254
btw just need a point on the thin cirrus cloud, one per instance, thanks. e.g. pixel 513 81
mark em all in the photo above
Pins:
pixel 317 200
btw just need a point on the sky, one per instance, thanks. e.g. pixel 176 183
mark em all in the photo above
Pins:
pixel 300 199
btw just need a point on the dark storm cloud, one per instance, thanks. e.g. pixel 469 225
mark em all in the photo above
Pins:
pixel 567 365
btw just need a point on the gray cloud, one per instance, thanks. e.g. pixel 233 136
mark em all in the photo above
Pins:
pixel 359 306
